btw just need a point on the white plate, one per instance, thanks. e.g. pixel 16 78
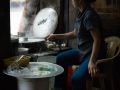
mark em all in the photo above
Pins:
pixel 45 22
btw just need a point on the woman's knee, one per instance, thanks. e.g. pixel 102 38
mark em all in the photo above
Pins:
pixel 60 58
pixel 67 55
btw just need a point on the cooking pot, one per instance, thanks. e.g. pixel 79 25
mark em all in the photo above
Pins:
pixel 35 45
pixel 14 45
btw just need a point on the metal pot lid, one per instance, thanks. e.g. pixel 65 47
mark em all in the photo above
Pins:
pixel 31 40
pixel 45 22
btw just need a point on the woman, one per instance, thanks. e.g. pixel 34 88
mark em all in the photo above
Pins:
pixel 91 46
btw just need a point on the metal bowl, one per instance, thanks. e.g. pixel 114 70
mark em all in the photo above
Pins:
pixel 23 62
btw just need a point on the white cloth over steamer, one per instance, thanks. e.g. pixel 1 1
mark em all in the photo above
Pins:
pixel 45 22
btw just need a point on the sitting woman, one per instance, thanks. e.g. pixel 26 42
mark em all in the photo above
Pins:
pixel 90 46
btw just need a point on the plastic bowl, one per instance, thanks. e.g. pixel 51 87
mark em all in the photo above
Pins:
pixel 23 62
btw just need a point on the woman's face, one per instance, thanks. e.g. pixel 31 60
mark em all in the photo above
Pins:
pixel 76 3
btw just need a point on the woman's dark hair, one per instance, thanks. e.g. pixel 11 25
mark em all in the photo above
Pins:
pixel 90 1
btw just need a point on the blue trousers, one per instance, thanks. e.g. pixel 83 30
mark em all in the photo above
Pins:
pixel 69 58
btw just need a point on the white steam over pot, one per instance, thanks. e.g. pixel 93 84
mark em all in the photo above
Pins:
pixel 45 22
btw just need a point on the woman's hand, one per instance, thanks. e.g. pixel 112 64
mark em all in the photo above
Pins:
pixel 93 69
pixel 50 37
